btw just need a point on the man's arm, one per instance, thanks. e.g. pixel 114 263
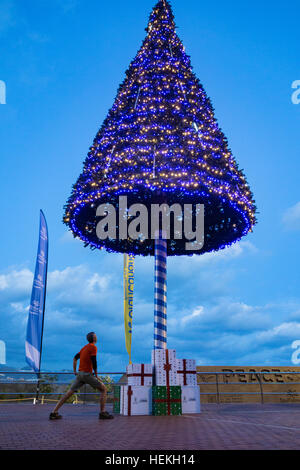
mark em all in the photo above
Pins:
pixel 94 364
pixel 75 363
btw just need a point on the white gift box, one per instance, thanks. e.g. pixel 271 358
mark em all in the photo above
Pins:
pixel 159 355
pixel 121 398
pixel 136 400
pixel 186 372
pixel 165 366
pixel 190 399
pixel 140 374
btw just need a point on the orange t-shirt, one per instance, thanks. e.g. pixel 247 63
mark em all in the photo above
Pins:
pixel 86 353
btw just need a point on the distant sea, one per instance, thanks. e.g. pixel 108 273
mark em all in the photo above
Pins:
pixel 13 374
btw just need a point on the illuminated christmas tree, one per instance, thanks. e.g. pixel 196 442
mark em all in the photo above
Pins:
pixel 160 142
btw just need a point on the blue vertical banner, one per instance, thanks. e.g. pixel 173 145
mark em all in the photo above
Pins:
pixel 34 337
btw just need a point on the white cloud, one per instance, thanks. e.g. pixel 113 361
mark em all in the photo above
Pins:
pixel 183 266
pixel 286 330
pixel 97 283
pixel 16 281
pixel 78 278
pixel 67 237
pixel 218 329
pixel 59 280
pixel 65 320
pixel 196 313
pixel 247 317
pixel 72 293
pixel 19 307
pixel 232 252
pixel 291 218
pixel 224 315
pixel 85 292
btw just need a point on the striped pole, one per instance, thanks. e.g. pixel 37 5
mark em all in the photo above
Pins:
pixel 160 295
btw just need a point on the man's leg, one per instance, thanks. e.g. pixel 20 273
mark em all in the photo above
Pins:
pixel 98 385
pixel 63 400
pixel 103 396
pixel 103 414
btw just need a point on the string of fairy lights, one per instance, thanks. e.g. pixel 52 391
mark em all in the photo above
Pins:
pixel 161 135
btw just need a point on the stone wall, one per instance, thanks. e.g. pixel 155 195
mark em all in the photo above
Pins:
pixel 235 386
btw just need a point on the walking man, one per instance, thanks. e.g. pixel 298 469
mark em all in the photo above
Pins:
pixel 88 363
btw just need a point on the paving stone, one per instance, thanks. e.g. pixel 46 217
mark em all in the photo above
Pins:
pixel 218 427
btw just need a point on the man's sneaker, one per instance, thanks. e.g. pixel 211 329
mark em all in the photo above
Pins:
pixel 105 415
pixel 55 416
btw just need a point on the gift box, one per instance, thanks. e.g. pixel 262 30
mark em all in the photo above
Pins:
pixel 140 374
pixel 165 367
pixel 186 372
pixel 137 400
pixel 117 398
pixel 190 399
pixel 166 401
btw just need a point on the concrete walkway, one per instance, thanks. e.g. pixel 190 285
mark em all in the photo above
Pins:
pixel 218 427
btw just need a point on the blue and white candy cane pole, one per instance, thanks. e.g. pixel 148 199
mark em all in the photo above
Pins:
pixel 160 294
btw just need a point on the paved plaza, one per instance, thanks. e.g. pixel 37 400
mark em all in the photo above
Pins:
pixel 218 427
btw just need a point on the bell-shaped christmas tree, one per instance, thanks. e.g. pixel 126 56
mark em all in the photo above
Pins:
pixel 161 143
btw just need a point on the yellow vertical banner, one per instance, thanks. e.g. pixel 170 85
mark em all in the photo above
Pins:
pixel 128 300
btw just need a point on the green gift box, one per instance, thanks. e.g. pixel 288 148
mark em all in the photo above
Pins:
pixel 117 398
pixel 166 400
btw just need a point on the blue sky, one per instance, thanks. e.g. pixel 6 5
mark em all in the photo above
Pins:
pixel 62 62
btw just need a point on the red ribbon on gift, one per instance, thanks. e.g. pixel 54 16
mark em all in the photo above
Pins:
pixel 167 367
pixel 185 372
pixel 167 400
pixel 129 395
pixel 142 374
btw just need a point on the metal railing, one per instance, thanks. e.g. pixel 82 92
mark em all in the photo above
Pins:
pixel 41 382
pixel 218 393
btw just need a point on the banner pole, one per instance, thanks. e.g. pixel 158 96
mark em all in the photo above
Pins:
pixel 128 300
pixel 43 317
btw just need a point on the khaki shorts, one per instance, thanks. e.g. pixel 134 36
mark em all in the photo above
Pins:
pixel 83 378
